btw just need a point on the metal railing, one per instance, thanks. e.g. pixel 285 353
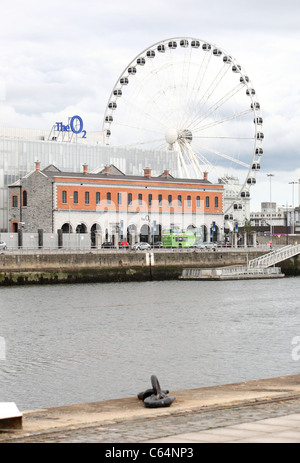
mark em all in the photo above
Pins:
pixel 275 257
pixel 229 272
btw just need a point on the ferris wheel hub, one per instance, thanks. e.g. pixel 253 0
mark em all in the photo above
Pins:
pixel 185 135
pixel 171 136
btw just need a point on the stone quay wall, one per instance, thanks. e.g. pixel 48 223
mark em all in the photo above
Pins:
pixel 113 266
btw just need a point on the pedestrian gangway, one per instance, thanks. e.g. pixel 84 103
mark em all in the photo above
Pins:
pixel 275 257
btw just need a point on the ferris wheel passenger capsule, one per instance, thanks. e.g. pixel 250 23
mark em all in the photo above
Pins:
pixel 217 52
pixel 161 48
pixel 195 43
pixel 112 105
pixel 184 43
pixel 227 59
pixel 124 81
pixel 256 166
pixel 108 133
pixel 255 105
pixel 132 70
pixel 260 136
pixel 259 151
pixel 250 91
pixel 244 79
pixel 141 61
pixel 251 181
pixel 172 45
pixel 238 206
pixel 206 47
pixel 150 54
pixel 258 120
pixel 118 92
pixel 236 68
pixel 109 119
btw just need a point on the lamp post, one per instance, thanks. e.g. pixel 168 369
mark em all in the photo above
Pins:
pixel 293 204
pixel 286 206
pixel 271 214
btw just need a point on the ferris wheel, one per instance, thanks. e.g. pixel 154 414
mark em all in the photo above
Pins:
pixel 195 101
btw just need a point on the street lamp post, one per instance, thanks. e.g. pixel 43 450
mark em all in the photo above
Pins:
pixel 271 212
pixel 293 204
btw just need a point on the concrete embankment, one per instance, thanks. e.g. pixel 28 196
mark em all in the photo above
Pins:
pixel 117 266
pixel 187 401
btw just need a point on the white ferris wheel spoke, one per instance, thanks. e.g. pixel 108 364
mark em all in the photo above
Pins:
pixel 197 86
pixel 226 156
pixel 209 91
pixel 225 119
pixel 218 104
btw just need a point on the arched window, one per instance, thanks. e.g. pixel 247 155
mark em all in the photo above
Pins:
pixel 24 200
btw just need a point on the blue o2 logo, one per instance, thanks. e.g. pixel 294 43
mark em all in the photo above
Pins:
pixel 75 126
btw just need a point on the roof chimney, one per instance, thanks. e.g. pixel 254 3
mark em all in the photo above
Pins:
pixel 205 175
pixel 166 173
pixel 106 170
pixel 147 172
pixel 37 166
pixel 85 168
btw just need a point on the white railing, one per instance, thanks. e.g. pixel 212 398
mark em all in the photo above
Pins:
pixel 229 272
pixel 275 257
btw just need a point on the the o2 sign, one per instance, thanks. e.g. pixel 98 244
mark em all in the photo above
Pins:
pixel 75 126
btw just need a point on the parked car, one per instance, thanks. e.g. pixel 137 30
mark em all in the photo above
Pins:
pixel 107 244
pixel 158 244
pixel 226 245
pixel 206 245
pixel 3 245
pixel 144 246
pixel 141 246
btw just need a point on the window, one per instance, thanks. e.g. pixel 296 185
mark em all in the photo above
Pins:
pixel 87 197
pixel 150 200
pixel 15 201
pixel 140 199
pixel 198 201
pixel 108 198
pixel 216 202
pixel 24 198
pixel 64 197
pixel 169 200
pixel 179 201
pixel 189 201
pixel 159 200
pixel 207 201
pixel 75 197
pixel 119 199
pixel 97 197
pixel 129 199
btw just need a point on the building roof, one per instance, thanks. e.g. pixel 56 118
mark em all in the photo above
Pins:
pixel 115 173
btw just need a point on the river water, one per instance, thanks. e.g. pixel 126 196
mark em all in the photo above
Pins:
pixel 70 344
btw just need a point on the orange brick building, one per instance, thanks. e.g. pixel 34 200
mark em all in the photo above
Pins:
pixel 115 205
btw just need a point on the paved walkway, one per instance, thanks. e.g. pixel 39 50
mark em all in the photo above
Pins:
pixel 257 411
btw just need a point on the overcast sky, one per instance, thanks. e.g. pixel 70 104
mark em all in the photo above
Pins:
pixel 59 58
